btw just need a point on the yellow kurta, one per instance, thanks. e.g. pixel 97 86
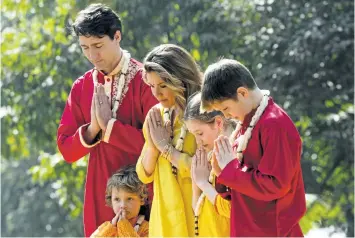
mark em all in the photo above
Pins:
pixel 211 221
pixel 123 229
pixel 171 213
pixel 214 220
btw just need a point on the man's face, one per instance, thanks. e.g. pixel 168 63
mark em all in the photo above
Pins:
pixel 103 52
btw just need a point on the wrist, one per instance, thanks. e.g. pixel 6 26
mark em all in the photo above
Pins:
pixel 217 173
pixel 90 134
pixel 153 150
pixel 196 188
pixel 196 194
pixel 203 184
pixel 224 164
pixel 161 145
pixel 93 130
pixel 104 127
pixel 167 151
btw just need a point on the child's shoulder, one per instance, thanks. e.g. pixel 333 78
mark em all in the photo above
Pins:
pixel 274 114
pixel 276 118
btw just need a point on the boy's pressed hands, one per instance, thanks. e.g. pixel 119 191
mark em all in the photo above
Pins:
pixel 223 151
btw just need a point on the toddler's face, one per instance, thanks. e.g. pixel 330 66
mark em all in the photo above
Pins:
pixel 129 202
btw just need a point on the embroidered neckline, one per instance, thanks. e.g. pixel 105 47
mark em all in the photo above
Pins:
pixel 120 83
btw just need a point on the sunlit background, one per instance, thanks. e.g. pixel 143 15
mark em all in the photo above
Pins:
pixel 301 50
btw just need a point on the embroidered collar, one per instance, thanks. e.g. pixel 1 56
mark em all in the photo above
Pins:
pixel 120 84
pixel 244 139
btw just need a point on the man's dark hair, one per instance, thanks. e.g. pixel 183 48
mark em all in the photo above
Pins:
pixel 97 20
pixel 222 79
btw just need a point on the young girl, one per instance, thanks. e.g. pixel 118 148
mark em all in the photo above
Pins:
pixel 126 195
pixel 173 76
pixel 212 210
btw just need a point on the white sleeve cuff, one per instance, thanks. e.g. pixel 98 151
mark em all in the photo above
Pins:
pixel 83 142
pixel 108 131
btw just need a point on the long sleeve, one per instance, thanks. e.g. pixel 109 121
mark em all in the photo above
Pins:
pixel 139 166
pixel 125 229
pixel 184 162
pixel 272 178
pixel 141 171
pixel 72 126
pixel 223 206
pixel 184 165
pixel 105 230
pixel 126 137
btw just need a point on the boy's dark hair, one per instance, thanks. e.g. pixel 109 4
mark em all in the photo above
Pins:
pixel 127 179
pixel 97 20
pixel 222 79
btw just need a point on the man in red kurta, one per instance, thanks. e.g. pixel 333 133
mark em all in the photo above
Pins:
pixel 263 170
pixel 105 110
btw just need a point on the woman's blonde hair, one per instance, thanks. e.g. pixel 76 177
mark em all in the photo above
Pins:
pixel 176 67
pixel 127 179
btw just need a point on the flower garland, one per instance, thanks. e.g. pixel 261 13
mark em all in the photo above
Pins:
pixel 122 87
pixel 179 145
pixel 244 139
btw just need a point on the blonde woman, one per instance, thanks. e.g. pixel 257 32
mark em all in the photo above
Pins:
pixel 173 76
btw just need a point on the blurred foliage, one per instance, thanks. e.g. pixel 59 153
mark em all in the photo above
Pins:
pixel 301 50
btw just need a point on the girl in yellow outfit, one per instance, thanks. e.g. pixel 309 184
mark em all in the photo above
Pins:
pixel 211 201
pixel 173 76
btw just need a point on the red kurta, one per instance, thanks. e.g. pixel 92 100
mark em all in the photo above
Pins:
pixel 121 145
pixel 268 197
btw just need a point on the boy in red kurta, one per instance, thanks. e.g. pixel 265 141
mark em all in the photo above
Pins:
pixel 105 109
pixel 263 167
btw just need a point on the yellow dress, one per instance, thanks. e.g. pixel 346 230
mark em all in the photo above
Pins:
pixel 171 213
pixel 214 220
